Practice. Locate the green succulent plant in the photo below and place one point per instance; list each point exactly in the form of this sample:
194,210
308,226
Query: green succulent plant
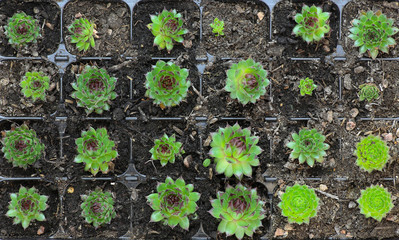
22,147
312,24
35,85
372,32
217,27
94,90
368,91
234,151
166,149
83,32
166,27
95,150
299,203
22,29
307,86
308,146
173,203
246,81
372,153
240,210
167,84
98,207
375,202
26,206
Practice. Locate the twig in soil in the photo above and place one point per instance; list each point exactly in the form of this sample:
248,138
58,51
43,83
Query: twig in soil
152,162
327,194
143,114
198,93
281,66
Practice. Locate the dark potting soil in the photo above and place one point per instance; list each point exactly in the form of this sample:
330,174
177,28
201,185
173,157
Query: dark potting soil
50,225
283,23
48,14
47,132
353,11
13,102
246,28
112,21
76,225
144,39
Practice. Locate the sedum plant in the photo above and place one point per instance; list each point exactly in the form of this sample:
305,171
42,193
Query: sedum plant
94,90
375,202
166,149
372,153
307,86
98,207
240,210
299,203
95,150
312,24
246,81
26,206
83,32
22,147
372,32
308,146
368,91
173,203
35,85
235,151
22,29
166,27
167,84
217,27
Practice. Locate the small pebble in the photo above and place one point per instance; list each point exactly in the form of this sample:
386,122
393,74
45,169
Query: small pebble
36,10
323,187
354,112
348,82
387,136
359,69
351,204
350,125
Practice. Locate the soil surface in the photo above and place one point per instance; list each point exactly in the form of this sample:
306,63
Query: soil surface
48,14
112,21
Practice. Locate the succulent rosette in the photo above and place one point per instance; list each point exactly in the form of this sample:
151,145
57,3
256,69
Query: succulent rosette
372,32
98,207
235,151
22,29
299,203
372,153
22,147
246,81
95,150
26,206
35,85
166,149
307,86
167,84
94,90
240,210
312,24
368,91
83,32
375,202
217,27
173,203
166,27
308,146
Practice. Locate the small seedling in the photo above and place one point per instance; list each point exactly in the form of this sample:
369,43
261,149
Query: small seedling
26,206
22,147
307,86
375,202
217,27
83,32
173,203
95,149
299,203
312,24
308,146
368,91
240,210
94,90
22,29
166,27
167,84
246,81
372,153
35,85
166,149
235,151
372,32
98,207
